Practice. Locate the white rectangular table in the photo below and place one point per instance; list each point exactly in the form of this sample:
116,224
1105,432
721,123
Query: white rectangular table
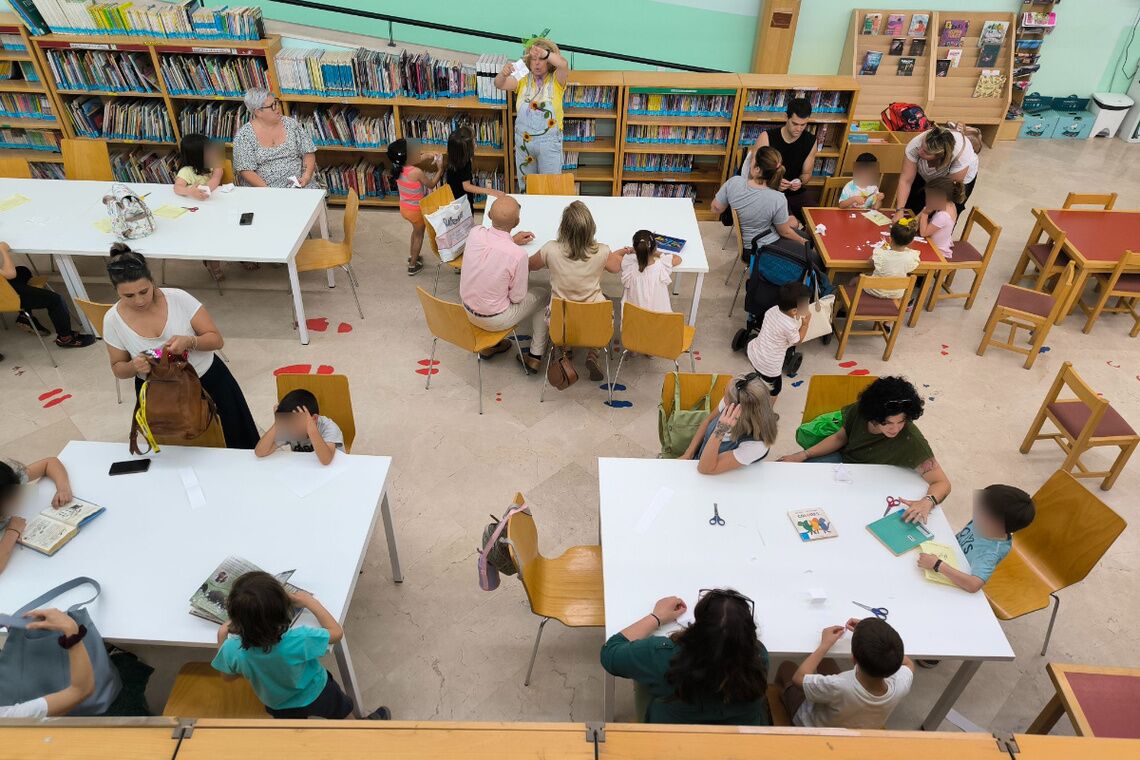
59,221
652,551
152,547
617,219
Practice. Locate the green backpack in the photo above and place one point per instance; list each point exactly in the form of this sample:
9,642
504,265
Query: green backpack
813,431
676,430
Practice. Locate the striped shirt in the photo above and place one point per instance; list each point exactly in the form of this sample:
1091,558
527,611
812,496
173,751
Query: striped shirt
777,333
410,191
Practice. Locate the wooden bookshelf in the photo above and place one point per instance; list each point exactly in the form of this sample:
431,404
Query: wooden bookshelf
10,24
598,169
952,97
1021,85
886,86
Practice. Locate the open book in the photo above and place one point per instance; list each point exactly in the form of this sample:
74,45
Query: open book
48,531
209,601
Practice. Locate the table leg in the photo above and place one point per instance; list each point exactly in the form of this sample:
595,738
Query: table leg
323,221
923,294
74,284
696,298
677,284
1048,717
298,305
390,532
950,695
348,676
608,687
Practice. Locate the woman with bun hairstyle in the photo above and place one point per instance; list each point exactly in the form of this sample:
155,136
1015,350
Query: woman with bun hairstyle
147,317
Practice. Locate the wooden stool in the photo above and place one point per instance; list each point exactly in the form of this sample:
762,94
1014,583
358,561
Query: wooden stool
200,692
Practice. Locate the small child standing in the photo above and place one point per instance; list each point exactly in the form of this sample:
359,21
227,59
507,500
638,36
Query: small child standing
412,183
895,257
199,174
460,167
863,189
937,220
784,326
282,664
647,273
299,425
818,695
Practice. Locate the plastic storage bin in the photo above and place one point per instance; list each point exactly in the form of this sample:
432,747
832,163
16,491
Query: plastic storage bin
1039,125
1073,125
1108,110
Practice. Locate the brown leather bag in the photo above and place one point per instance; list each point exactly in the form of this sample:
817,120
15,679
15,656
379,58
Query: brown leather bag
560,373
172,403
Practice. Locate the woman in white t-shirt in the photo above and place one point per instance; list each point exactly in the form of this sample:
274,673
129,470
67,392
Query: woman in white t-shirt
743,427
148,318
936,153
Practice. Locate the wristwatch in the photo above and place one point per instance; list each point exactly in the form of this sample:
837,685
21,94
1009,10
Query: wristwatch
933,500
937,565
67,642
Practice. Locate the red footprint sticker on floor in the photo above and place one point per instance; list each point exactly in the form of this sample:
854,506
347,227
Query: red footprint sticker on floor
847,365
325,369
344,327
425,369
499,397
945,351
859,372
1113,364
320,324
53,401
697,355
294,369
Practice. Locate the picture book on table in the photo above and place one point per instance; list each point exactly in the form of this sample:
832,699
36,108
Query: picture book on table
954,55
812,524
993,33
871,62
918,24
942,67
918,46
896,47
668,244
952,33
48,531
988,55
906,67
944,553
209,601
871,23
895,23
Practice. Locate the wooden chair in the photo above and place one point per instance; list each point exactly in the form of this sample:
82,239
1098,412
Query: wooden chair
590,325
567,589
201,692
10,304
1123,284
87,160
776,707
213,438
886,315
1071,531
966,256
333,398
227,172
319,254
448,322
429,204
550,184
1083,423
734,232
1045,255
14,168
694,387
743,255
655,333
829,393
1025,309
1104,201
832,187
96,313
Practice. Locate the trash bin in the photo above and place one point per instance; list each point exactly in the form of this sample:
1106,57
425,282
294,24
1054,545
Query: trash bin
1109,110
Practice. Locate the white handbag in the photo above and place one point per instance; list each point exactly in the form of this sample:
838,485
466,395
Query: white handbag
820,324
130,217
452,225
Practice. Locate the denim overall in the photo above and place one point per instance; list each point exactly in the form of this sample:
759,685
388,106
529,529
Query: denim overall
538,136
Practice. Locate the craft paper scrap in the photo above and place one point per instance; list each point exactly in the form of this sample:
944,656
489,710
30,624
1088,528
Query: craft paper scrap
103,225
193,488
169,212
663,496
12,201
877,217
226,188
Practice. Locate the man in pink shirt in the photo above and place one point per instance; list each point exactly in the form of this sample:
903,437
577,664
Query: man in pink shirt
493,282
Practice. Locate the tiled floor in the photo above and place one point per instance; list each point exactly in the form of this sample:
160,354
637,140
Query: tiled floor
438,647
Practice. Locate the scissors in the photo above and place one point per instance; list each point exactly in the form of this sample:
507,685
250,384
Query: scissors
716,519
191,209
879,612
892,502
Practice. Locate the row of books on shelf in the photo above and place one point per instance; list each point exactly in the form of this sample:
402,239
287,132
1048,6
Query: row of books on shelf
145,166
657,133
372,180
589,96
218,121
213,75
569,160
951,31
20,105
46,170
346,126
487,67
372,73
183,18
824,167
822,101
435,129
101,70
579,130
658,162
826,135
12,42
654,104
125,119
657,190
30,139
25,70
896,23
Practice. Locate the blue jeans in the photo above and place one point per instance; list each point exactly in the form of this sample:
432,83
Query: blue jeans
834,458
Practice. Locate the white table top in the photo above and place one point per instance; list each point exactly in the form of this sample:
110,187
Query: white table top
760,554
61,214
617,219
151,549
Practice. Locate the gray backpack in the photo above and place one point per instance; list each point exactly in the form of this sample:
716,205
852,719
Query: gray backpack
494,556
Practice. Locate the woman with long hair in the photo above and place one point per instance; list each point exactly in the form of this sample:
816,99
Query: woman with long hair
741,431
939,152
713,671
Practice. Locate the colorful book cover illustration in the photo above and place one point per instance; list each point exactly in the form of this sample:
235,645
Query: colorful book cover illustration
952,33
919,23
906,67
871,23
871,62
895,23
993,33
812,524
942,67
896,47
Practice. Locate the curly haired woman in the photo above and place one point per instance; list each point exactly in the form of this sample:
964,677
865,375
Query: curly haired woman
538,108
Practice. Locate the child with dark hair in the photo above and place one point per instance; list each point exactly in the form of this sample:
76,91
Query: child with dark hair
413,183
999,512
199,174
784,326
33,298
647,273
818,695
298,424
863,189
461,164
940,215
894,257
281,663
13,475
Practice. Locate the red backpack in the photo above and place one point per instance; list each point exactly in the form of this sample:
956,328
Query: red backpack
904,117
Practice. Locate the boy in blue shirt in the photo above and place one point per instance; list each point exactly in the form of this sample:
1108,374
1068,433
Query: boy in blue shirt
999,512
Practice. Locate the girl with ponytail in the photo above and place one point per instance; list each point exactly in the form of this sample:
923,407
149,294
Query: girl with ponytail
647,273
761,207
413,183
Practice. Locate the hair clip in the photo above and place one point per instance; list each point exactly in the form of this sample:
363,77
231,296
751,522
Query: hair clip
905,221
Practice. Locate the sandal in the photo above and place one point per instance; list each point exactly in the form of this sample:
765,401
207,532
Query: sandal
75,340
414,269
593,368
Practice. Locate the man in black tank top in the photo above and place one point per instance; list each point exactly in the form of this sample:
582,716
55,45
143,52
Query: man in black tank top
797,148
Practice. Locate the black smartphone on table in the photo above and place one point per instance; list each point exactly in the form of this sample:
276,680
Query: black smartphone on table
246,219
129,467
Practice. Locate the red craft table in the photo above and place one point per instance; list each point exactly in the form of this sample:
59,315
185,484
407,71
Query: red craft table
1095,240
1102,702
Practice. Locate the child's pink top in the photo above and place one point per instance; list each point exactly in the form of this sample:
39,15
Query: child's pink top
411,192
943,236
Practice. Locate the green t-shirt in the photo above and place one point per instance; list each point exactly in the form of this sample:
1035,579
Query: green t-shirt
907,449
288,675
647,661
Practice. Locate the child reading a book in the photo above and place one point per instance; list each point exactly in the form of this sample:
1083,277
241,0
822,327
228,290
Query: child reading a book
413,183
647,273
281,663
298,424
784,326
818,695
894,257
12,476
199,174
863,189
999,512
937,220
459,173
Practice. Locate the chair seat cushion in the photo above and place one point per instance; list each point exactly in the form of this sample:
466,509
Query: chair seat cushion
1040,252
1074,415
1023,299
1128,283
871,306
964,252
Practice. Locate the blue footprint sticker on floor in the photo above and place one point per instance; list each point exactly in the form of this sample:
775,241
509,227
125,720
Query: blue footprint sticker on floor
1045,349
797,383
616,404
618,387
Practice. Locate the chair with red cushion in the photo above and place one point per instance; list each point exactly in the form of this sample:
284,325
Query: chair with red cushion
966,256
1043,251
886,315
1025,309
1083,423
1123,284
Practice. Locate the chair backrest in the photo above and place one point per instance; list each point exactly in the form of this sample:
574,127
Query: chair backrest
87,160
1061,292
96,312
830,393
1129,264
832,187
351,211
9,298
586,324
1054,233
737,230
694,386
447,321
15,168
522,542
992,229
550,184
432,202
870,282
333,399
227,172
1104,200
655,333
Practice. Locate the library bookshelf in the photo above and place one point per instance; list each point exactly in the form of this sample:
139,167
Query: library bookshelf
20,134
592,116
952,96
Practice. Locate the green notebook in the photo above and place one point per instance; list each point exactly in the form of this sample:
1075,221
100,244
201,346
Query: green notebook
898,536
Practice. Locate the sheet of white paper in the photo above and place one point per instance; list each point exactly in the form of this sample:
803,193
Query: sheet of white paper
660,499
205,189
194,493
842,474
919,239
817,595
519,69
305,474
226,188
